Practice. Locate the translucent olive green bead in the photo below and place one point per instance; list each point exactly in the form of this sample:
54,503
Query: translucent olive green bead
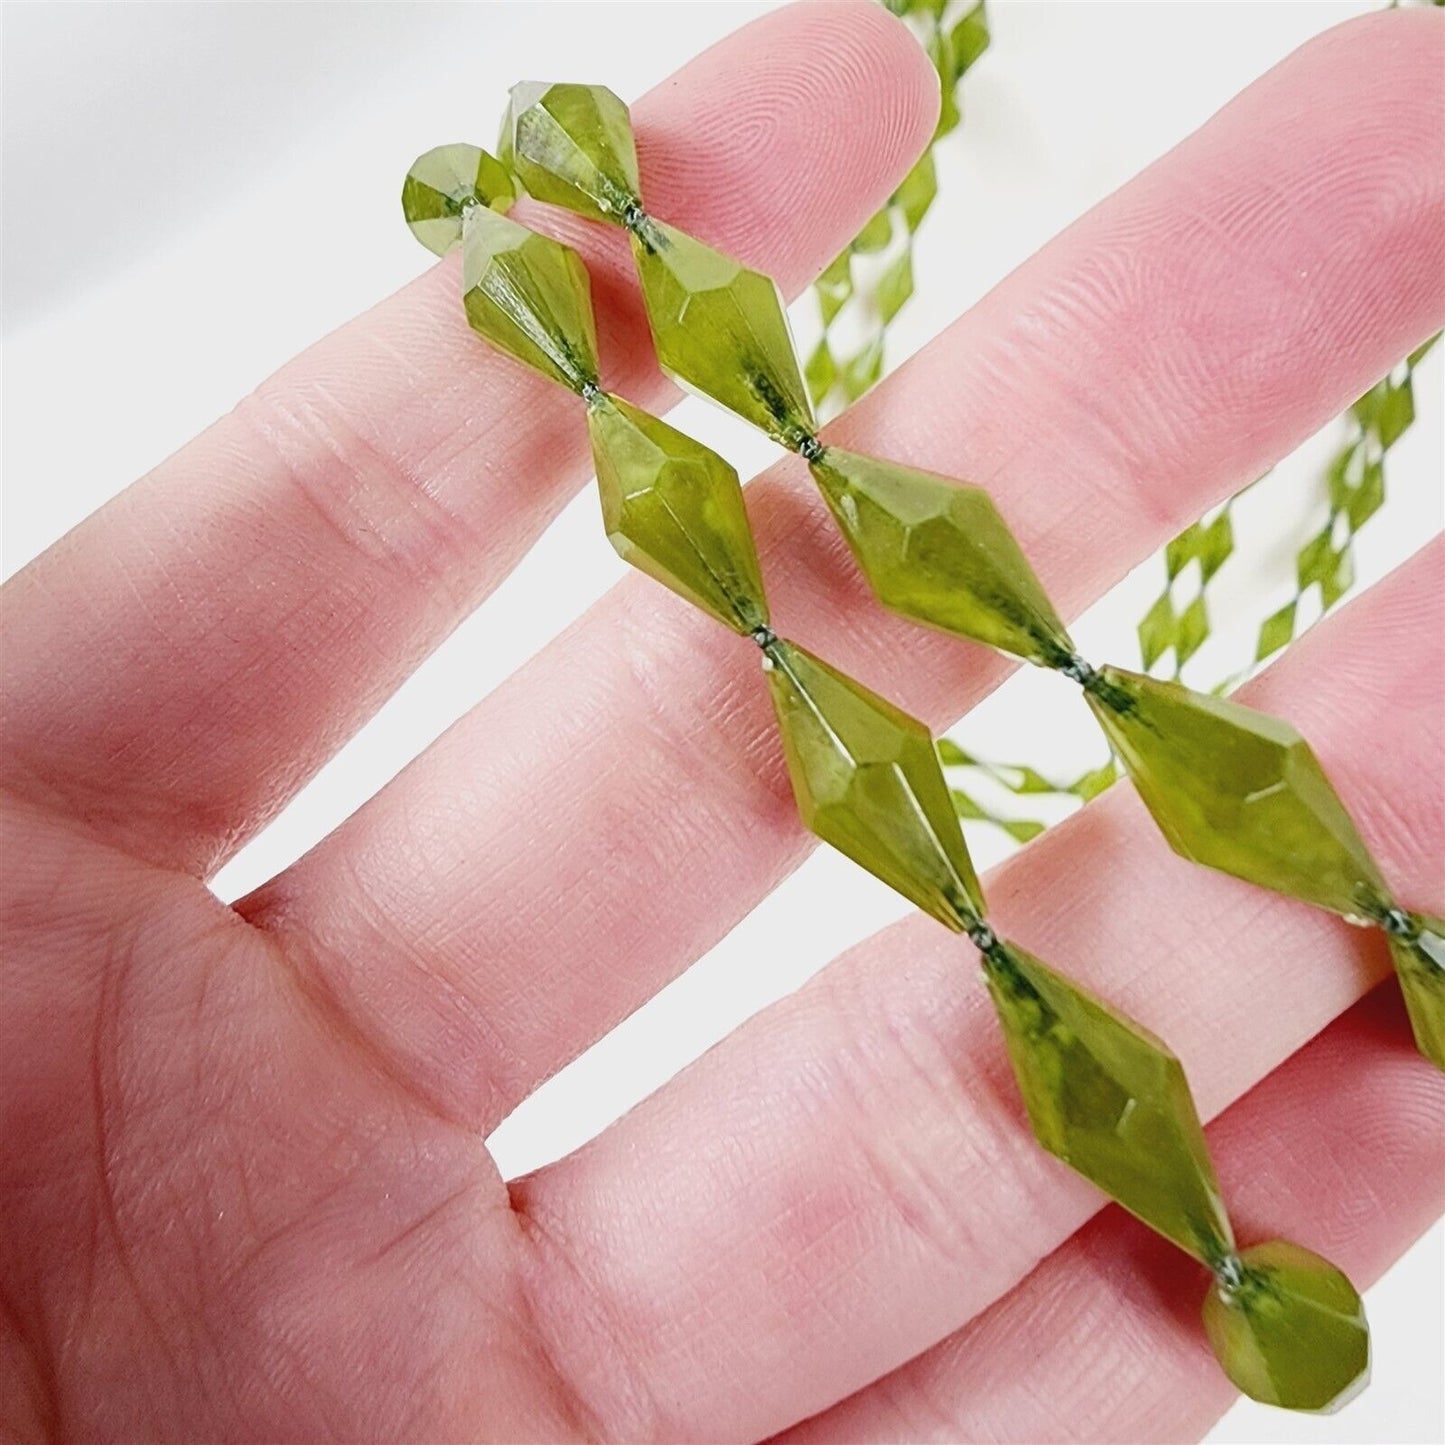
1110,1100
446,181
571,145
1420,966
529,295
674,509
1292,1331
720,329
867,780
1237,790
938,551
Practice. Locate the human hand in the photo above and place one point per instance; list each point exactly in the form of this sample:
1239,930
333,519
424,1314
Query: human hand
243,1187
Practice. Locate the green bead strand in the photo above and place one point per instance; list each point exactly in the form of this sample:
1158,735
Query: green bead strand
1101,1093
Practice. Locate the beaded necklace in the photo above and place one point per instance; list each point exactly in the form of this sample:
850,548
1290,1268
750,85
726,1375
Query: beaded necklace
1230,787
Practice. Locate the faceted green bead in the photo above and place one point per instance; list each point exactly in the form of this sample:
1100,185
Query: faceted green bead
1292,1331
867,780
1237,790
529,295
572,146
674,509
938,551
1110,1100
721,330
1420,965
442,183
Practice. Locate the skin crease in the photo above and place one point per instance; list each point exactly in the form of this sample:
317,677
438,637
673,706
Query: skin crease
243,1192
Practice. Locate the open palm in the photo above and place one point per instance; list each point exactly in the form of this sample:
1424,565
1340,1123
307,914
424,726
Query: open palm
243,1185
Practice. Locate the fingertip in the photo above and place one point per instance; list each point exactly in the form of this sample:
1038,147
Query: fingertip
887,68
797,128
1400,28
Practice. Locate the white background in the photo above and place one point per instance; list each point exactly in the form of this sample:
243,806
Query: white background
193,193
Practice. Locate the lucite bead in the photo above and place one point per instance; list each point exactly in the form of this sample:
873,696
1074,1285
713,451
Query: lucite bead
674,509
868,781
529,295
938,551
443,183
571,145
1420,965
1292,1331
720,329
1110,1100
1238,790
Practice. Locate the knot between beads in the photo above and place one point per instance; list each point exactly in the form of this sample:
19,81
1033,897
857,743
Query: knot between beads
1080,670
810,448
1228,1271
984,939
1398,924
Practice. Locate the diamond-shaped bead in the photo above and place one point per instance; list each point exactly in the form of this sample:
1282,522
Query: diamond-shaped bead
1291,1331
443,183
572,145
1109,1099
673,508
721,330
529,295
938,551
1420,966
867,780
1237,790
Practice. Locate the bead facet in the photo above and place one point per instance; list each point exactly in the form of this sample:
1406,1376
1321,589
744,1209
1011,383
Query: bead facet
529,295
572,146
445,182
939,552
674,508
1291,1331
1110,1100
1238,790
868,781
1420,966
721,330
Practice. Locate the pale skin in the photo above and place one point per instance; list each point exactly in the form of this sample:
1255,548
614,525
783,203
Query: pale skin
243,1187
